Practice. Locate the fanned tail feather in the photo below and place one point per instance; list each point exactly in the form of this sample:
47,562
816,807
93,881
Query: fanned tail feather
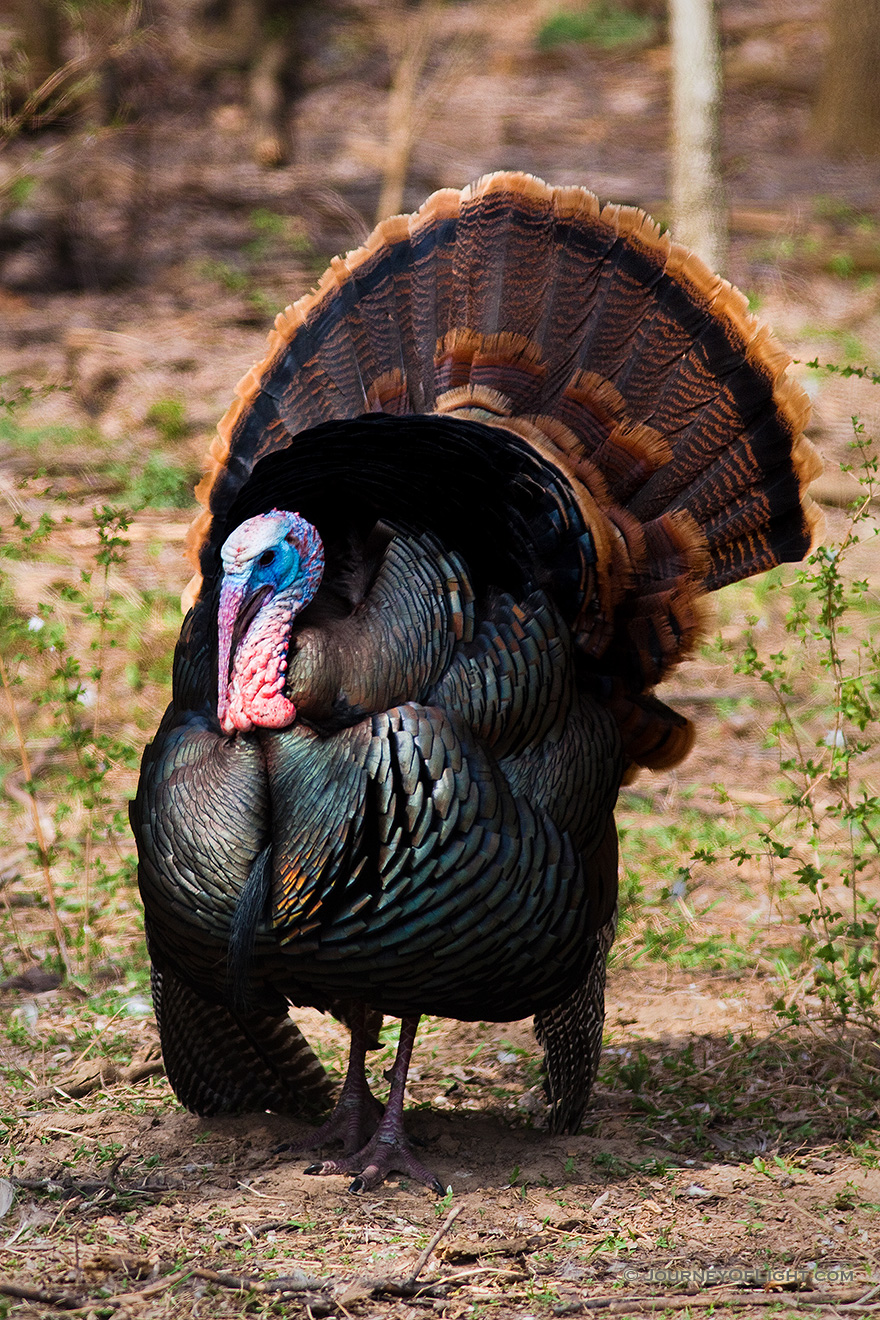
628,368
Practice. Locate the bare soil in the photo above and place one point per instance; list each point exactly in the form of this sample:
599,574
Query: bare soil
718,1139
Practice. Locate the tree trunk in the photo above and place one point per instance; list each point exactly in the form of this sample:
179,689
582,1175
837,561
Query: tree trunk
698,209
410,42
848,110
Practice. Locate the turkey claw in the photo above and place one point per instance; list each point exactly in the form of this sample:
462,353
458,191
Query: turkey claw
372,1177
374,1163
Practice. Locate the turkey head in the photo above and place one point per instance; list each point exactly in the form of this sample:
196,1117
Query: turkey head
272,567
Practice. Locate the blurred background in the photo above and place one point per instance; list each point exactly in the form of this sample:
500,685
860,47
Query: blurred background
174,172
137,132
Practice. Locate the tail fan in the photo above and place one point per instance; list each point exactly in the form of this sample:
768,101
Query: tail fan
574,333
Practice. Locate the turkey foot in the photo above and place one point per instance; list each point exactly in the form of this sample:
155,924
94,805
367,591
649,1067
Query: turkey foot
357,1111
355,1116
388,1150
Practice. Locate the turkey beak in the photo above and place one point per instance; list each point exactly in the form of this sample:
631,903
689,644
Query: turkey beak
239,606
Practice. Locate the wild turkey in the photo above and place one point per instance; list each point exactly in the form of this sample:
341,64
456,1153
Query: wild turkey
458,524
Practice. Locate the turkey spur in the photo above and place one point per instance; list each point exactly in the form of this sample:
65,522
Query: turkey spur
457,527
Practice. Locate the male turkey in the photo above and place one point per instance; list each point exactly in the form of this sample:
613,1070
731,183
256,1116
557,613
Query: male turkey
457,527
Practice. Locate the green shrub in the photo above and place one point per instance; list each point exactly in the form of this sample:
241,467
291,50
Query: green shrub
602,24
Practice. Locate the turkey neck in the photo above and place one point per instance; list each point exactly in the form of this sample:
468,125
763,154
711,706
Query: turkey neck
338,674
391,646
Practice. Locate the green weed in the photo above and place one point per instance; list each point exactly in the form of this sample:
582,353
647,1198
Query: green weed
614,1243
867,1154
169,418
17,1033
40,439
663,924
160,484
819,852
601,24
845,372
828,834
841,264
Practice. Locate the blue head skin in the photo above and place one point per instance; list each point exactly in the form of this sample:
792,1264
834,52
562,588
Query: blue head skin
272,567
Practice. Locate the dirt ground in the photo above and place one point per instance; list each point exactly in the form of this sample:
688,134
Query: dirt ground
719,1139
717,1164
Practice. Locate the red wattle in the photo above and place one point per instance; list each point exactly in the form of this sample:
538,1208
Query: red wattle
250,689
254,697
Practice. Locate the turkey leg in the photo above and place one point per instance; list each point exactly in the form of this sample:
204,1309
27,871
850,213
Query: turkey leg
387,1151
357,1111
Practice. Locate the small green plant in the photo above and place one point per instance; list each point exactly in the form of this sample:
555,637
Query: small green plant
867,1154
823,845
841,264
281,232
17,1033
845,372
161,484
829,831
611,1164
169,418
615,1242
601,24
661,926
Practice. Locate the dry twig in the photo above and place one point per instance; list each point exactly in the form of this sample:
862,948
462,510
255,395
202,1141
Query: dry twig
426,1254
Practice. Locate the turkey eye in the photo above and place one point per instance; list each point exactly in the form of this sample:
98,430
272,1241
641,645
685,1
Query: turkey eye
266,558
